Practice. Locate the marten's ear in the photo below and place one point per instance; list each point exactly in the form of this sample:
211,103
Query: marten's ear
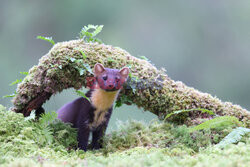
124,72
98,69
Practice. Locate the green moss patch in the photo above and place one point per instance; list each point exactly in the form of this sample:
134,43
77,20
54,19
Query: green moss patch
28,143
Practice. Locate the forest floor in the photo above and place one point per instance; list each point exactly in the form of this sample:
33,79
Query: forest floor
24,143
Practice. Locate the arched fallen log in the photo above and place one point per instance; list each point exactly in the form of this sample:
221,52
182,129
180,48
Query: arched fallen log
66,67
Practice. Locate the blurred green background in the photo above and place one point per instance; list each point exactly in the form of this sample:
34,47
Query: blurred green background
205,44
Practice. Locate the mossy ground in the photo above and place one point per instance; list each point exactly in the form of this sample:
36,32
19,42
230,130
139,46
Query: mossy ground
28,143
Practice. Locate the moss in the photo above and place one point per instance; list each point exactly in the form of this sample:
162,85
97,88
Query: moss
159,95
134,144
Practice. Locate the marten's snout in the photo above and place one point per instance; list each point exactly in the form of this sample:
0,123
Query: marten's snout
110,84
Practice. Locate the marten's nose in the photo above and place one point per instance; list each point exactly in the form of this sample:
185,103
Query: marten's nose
111,86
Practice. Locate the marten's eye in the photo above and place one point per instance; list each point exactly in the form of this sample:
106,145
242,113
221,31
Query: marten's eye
105,77
117,79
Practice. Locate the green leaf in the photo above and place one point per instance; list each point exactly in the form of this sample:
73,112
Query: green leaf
233,137
88,68
48,39
11,95
217,122
88,33
82,94
110,60
83,54
98,29
144,58
47,118
16,82
24,73
123,99
188,110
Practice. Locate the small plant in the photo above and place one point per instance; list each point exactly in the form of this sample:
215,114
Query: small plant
233,137
82,94
122,100
195,109
217,122
144,58
48,39
47,118
17,81
83,54
89,33
80,66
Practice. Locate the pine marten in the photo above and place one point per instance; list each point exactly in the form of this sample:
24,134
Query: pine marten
93,115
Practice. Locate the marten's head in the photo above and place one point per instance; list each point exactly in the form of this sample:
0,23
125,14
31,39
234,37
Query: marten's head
110,79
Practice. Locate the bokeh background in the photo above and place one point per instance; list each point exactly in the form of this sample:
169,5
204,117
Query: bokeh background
205,44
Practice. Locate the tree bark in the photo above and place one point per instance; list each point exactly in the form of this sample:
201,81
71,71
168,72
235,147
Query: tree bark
64,67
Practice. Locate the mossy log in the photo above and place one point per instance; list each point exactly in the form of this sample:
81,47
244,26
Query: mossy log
150,89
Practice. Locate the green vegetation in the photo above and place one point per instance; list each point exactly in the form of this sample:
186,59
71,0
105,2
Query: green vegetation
82,94
17,81
48,39
89,33
195,109
48,142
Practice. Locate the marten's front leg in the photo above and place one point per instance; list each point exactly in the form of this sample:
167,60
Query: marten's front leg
98,134
83,136
97,137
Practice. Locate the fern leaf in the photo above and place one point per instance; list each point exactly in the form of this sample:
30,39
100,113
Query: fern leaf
195,109
47,118
88,36
97,30
48,39
82,94
11,95
233,137
24,73
144,58
16,82
217,122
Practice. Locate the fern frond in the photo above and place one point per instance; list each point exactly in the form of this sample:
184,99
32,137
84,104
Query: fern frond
88,36
82,94
24,73
48,134
188,110
48,39
217,122
47,118
11,95
233,137
16,82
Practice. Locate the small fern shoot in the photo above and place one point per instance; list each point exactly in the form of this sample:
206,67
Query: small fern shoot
217,122
82,94
89,33
47,118
233,137
48,39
